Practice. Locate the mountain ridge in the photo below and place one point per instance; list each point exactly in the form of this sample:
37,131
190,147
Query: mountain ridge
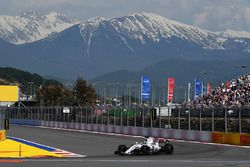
98,46
214,72
32,26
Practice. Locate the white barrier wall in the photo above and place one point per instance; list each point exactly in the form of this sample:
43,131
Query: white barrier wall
202,136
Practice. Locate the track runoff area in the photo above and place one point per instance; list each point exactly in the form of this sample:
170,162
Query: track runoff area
97,149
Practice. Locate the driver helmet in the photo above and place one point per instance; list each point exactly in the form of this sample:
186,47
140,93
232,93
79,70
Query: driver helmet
155,140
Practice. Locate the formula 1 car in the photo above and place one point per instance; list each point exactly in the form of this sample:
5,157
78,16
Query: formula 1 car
149,146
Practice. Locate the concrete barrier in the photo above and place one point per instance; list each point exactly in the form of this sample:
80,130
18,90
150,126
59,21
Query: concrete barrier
191,135
231,138
245,139
26,122
202,136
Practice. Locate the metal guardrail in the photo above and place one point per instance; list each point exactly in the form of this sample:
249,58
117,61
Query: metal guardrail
203,119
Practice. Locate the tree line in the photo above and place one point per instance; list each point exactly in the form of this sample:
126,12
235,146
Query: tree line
56,94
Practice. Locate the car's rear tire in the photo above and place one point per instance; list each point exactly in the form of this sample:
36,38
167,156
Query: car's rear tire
168,148
145,150
121,149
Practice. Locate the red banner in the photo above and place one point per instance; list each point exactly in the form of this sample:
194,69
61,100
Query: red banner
228,85
170,90
208,88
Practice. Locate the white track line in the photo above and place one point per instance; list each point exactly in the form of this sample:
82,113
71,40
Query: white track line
141,160
67,154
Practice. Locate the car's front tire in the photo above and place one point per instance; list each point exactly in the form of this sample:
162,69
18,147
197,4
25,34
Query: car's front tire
121,149
168,148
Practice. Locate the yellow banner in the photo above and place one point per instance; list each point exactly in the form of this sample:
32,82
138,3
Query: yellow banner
9,93
2,135
245,139
231,138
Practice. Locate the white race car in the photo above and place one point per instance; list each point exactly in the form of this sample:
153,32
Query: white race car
148,147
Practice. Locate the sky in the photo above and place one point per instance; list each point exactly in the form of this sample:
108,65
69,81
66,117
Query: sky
213,15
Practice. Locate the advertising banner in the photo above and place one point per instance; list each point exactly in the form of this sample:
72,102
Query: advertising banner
2,135
9,93
145,95
170,90
208,88
197,88
245,139
204,89
227,85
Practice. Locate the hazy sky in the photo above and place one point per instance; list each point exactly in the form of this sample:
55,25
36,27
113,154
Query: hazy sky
215,15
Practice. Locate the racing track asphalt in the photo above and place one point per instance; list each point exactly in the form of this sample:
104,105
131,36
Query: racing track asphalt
99,149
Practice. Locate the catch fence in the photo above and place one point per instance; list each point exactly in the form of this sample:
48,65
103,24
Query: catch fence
203,119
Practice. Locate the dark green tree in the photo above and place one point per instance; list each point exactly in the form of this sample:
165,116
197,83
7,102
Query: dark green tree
50,95
84,93
54,95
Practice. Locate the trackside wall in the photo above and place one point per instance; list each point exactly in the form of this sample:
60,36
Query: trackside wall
231,138
202,136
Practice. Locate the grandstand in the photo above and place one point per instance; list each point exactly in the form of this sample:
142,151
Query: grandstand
235,93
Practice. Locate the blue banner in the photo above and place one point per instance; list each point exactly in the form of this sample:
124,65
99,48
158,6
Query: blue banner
204,87
145,88
197,88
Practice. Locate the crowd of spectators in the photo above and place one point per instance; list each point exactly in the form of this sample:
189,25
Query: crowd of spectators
235,93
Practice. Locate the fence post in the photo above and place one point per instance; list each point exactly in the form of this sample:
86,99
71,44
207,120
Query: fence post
189,117
38,113
77,114
108,115
48,111
151,119
27,113
120,111
96,116
200,118
159,117
240,120
114,116
31,112
19,113
225,119
86,114
127,118
81,114
102,116
68,115
135,116
42,114
54,114
91,116
143,115
169,121
14,113
212,119
179,115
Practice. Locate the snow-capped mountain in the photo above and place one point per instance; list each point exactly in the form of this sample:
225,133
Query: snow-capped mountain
31,26
132,42
149,26
235,34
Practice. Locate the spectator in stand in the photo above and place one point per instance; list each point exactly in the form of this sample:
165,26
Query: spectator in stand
229,94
